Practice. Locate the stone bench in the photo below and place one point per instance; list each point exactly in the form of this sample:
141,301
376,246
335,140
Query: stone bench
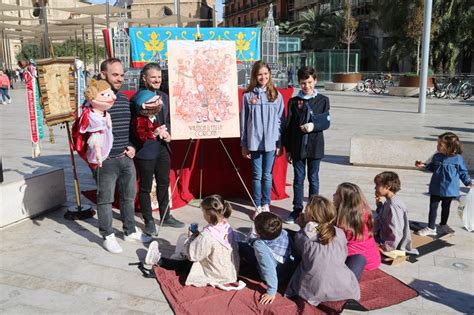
398,152
26,196
330,86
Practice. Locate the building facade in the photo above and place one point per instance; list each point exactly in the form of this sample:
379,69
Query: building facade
201,9
240,13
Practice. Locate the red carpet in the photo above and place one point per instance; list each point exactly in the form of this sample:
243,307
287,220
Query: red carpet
378,290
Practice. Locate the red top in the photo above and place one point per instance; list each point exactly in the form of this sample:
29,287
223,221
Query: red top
366,247
4,81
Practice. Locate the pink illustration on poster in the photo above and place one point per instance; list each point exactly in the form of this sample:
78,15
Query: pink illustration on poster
203,89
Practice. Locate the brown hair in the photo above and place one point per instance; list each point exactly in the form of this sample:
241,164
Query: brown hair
451,142
94,87
272,93
268,225
322,211
389,179
216,207
351,211
107,62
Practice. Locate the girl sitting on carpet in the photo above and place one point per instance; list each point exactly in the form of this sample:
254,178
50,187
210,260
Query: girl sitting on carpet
212,255
354,217
322,274
392,228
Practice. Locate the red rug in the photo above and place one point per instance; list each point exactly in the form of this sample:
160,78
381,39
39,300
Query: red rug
378,289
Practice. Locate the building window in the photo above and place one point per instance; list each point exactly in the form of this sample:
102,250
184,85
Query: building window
259,18
251,18
238,21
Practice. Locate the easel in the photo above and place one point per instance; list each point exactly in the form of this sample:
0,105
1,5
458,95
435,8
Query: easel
200,177
197,202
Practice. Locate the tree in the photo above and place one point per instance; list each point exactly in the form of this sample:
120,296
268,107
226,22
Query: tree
350,28
319,29
451,32
415,30
64,49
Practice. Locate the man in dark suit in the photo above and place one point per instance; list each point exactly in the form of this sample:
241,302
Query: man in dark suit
155,158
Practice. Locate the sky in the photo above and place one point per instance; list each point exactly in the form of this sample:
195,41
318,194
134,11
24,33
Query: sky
218,6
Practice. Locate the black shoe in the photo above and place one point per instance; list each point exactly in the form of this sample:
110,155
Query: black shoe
291,219
172,222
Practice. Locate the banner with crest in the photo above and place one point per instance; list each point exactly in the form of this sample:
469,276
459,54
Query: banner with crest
149,44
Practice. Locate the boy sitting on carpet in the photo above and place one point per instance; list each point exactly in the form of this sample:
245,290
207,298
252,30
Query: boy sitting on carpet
270,251
212,256
392,229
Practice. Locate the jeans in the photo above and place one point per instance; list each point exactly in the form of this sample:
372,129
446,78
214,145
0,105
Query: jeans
299,167
270,270
262,168
122,171
4,93
356,263
445,205
160,167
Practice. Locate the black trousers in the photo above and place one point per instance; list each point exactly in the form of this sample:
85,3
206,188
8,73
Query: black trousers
160,167
445,205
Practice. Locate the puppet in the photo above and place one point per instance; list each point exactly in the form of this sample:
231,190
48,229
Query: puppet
95,122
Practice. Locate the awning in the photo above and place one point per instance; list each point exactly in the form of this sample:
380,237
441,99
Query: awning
12,18
12,7
20,27
164,20
98,9
81,21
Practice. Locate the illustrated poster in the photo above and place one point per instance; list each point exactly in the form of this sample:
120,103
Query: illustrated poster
203,89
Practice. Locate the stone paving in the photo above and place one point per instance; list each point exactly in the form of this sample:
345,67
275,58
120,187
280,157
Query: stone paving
50,265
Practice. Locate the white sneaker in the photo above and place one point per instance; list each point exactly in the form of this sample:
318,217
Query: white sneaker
258,210
427,232
9,101
111,244
138,236
153,255
266,208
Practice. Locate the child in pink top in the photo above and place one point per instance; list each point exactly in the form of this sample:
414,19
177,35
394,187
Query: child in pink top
355,218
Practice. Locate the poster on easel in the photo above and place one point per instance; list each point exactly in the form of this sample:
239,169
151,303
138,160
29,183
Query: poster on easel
203,89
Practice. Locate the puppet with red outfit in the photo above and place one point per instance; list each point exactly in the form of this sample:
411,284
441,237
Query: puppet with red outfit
93,130
145,126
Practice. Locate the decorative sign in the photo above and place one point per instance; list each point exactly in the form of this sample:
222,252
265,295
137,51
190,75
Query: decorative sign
203,89
149,44
57,88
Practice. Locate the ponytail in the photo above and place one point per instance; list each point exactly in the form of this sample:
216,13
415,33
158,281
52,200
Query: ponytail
322,211
327,231
216,207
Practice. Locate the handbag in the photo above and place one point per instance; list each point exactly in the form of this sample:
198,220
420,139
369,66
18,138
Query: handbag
466,210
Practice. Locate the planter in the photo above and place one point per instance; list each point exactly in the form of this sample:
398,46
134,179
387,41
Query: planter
346,77
414,81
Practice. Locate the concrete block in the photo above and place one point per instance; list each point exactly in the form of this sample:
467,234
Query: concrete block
28,196
331,86
403,91
398,152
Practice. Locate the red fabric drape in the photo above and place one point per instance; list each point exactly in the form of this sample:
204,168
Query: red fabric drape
218,174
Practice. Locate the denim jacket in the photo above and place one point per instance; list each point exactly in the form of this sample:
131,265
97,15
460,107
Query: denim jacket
447,171
261,121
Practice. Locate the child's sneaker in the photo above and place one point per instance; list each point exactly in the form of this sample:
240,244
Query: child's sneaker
153,255
427,232
138,236
258,210
111,244
9,101
445,229
266,208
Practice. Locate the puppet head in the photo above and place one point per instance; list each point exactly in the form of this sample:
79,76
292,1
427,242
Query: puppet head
100,95
147,103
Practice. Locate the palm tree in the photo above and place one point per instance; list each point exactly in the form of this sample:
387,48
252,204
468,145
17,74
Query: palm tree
319,29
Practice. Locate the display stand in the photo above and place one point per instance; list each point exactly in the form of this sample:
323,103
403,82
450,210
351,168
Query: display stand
79,211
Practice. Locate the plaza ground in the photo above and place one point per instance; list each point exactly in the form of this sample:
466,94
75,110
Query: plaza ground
51,265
